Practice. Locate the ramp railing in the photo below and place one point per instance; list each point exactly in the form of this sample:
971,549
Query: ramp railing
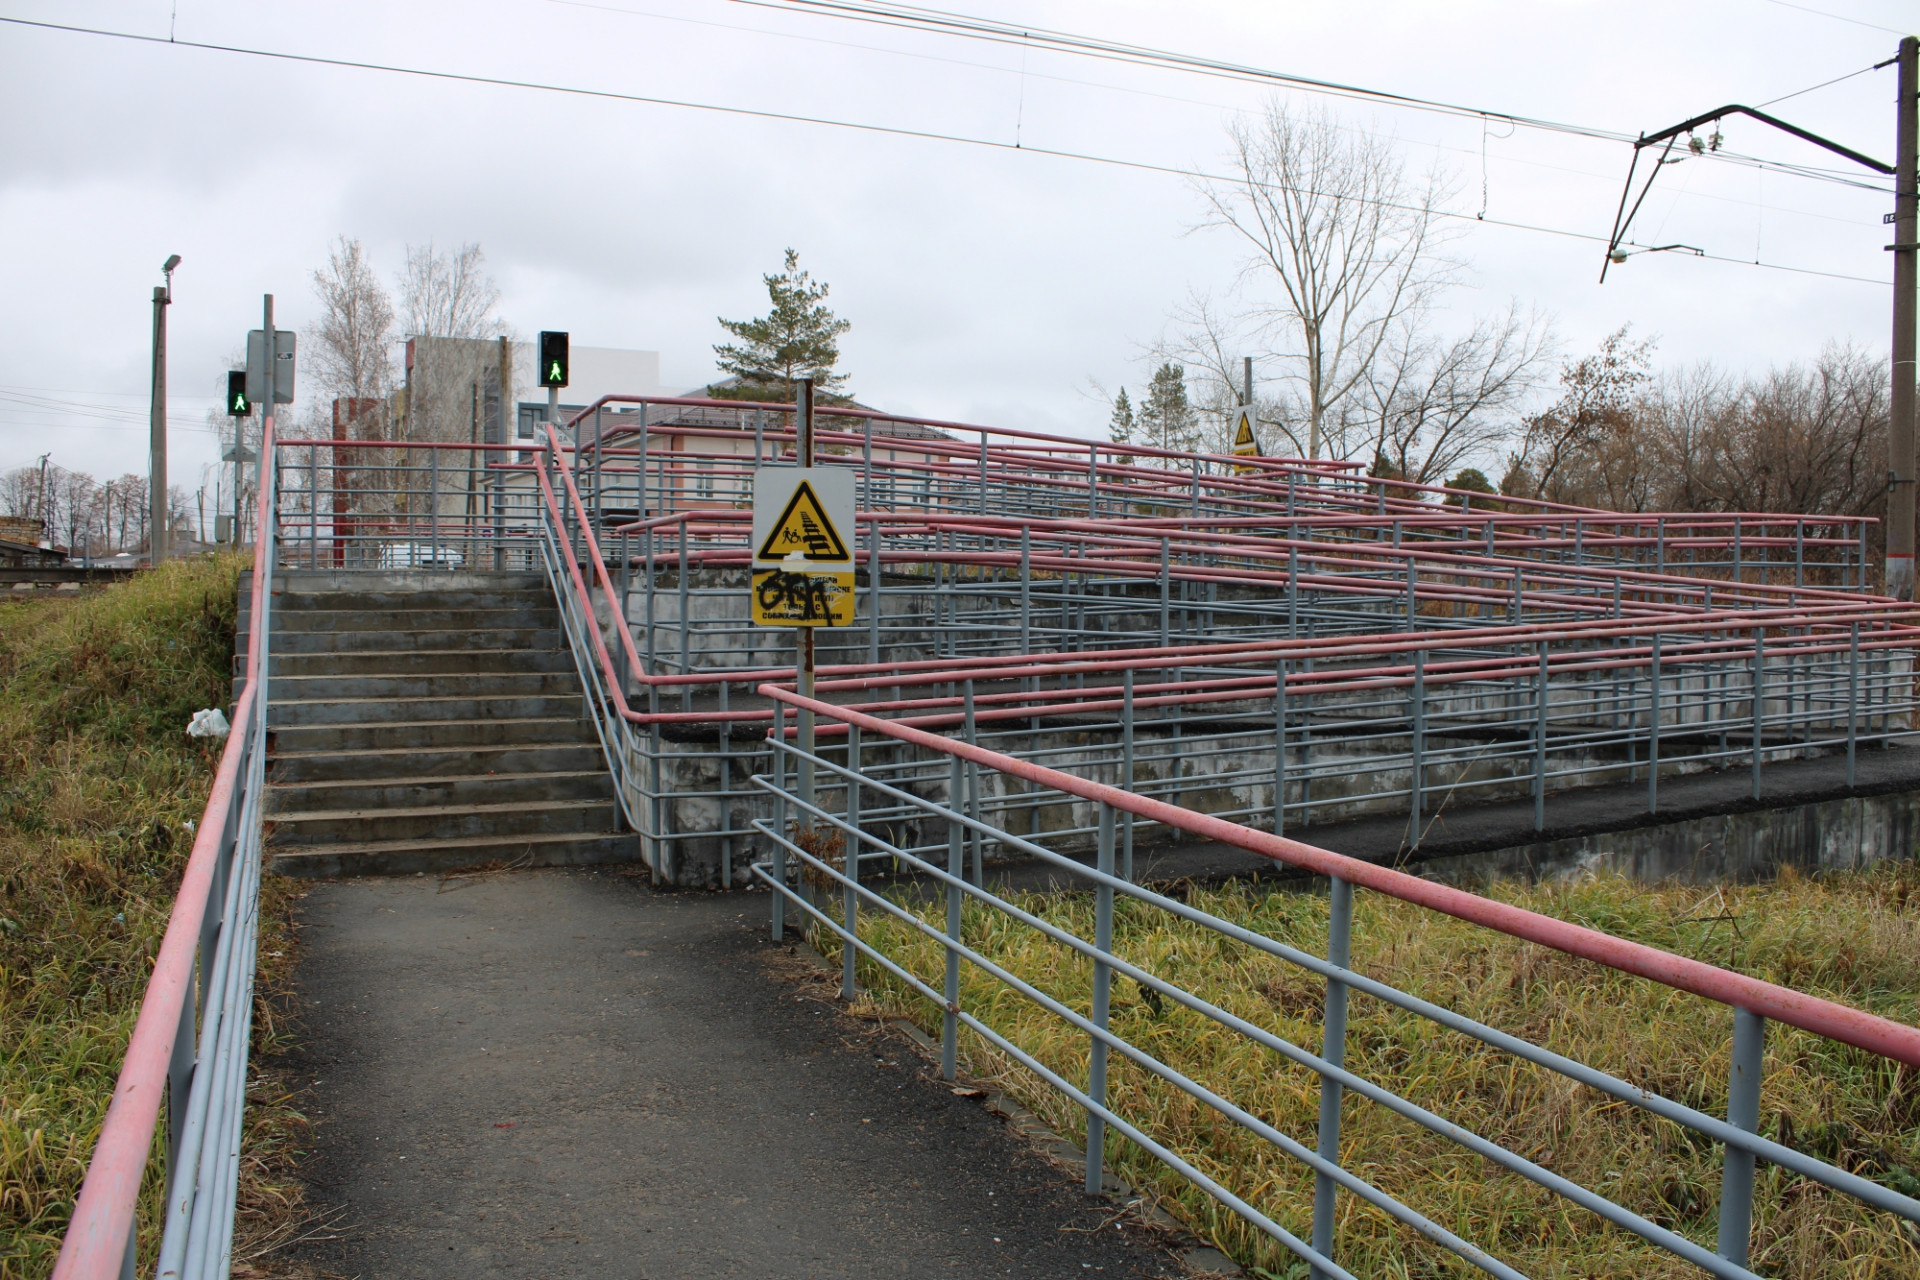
188,1052
825,858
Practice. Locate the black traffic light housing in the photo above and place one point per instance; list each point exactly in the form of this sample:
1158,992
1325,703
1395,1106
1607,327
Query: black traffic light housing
553,359
238,406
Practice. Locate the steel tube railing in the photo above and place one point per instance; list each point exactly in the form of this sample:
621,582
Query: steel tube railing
208,1086
1753,1000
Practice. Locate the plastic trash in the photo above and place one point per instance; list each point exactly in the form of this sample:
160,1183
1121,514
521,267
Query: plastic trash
211,723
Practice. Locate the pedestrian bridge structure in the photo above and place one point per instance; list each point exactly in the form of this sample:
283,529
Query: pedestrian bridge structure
1089,665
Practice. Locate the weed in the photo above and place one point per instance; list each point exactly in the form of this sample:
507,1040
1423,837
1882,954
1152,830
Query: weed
1852,938
99,791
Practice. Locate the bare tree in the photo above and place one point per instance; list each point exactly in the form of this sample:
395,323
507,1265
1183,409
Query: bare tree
1584,449
1211,345
1430,405
1330,216
352,356
448,295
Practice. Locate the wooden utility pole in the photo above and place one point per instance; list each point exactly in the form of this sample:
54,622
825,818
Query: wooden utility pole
1900,428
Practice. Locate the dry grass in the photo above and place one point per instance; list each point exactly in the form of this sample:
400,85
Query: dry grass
1854,938
98,786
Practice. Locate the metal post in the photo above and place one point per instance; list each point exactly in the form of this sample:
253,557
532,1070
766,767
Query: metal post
1418,762
1906,231
850,904
1280,749
873,591
1293,584
1026,591
1743,1113
1759,701
1126,770
950,1020
974,838
1653,729
1166,573
1333,1048
1413,577
1540,743
1853,697
983,473
1102,994
803,433
779,820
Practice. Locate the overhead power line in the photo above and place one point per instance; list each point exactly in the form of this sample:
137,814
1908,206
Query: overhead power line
966,26
898,131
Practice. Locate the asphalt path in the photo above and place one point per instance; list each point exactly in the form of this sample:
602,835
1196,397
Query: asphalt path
564,1073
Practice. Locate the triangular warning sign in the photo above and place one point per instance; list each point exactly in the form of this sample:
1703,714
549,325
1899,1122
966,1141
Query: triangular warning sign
804,527
1244,445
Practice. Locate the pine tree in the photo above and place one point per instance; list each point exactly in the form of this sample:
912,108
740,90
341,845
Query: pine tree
1123,424
1167,417
798,338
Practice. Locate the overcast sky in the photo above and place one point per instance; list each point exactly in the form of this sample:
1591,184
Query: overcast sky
983,283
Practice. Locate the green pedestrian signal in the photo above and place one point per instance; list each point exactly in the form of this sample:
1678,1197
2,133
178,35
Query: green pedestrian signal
238,406
553,359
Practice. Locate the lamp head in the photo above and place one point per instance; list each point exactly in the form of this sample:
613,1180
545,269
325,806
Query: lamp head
172,262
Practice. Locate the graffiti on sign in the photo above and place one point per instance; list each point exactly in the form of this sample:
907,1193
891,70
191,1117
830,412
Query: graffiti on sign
802,597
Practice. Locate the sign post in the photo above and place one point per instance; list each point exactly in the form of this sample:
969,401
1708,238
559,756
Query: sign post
803,557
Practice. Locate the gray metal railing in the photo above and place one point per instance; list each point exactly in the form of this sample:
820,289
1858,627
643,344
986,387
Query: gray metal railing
800,859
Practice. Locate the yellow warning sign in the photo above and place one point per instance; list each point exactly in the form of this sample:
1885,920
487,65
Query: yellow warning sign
802,598
804,528
1244,443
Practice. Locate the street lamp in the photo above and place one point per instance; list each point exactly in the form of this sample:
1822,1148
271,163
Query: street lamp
157,443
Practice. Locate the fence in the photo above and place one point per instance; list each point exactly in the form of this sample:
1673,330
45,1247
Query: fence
1276,679
189,1045
801,817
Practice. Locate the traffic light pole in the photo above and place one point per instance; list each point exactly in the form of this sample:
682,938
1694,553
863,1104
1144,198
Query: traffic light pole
1906,229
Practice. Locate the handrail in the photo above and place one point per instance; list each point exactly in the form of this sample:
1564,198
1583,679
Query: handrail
1835,1021
100,1235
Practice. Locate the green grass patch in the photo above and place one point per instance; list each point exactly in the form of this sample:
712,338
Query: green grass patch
99,788
1851,938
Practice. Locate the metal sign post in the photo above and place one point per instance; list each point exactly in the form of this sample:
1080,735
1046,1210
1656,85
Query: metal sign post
802,577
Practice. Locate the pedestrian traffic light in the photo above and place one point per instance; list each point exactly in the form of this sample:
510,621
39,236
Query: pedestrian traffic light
553,359
238,405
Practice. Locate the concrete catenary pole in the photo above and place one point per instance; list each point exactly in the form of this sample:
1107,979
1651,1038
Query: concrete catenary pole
1900,427
157,436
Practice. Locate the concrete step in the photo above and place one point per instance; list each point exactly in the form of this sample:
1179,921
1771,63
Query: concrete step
476,685
295,713
292,768
421,662
292,621
464,639
392,794
440,822
409,857
433,735
444,598
399,581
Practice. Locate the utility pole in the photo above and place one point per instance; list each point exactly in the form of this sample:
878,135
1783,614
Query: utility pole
46,525
1246,381
157,443
1900,429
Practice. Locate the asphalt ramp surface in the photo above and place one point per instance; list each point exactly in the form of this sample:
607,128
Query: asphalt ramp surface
563,1073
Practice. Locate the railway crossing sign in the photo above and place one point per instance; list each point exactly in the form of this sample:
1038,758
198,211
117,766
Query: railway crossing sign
1244,443
802,540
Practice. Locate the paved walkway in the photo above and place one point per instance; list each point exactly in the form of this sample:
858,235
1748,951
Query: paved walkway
563,1073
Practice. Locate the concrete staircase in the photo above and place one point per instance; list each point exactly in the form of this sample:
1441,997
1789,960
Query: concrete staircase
428,722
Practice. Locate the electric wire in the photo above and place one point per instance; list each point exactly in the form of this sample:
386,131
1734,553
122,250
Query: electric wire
918,18
1838,17
899,131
